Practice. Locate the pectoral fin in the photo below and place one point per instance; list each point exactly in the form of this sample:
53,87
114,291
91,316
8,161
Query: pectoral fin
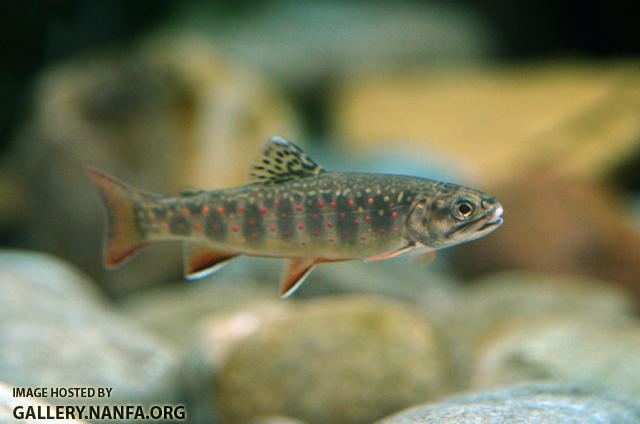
200,260
298,269
394,253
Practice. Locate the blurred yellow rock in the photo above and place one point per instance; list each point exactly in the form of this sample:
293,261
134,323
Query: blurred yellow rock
579,117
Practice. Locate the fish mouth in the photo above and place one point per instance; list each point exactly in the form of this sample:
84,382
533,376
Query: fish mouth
490,224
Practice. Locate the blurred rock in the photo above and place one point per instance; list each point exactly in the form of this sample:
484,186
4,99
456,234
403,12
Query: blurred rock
57,332
533,403
204,320
306,45
348,360
561,225
579,118
582,351
168,114
515,327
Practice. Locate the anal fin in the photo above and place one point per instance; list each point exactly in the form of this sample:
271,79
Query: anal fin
298,269
201,260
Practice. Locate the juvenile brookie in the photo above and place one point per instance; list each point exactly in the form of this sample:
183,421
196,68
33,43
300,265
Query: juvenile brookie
292,208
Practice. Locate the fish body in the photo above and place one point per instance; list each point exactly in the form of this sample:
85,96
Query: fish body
292,208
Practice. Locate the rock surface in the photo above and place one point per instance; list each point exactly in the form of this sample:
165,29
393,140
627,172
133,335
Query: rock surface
57,332
526,404
496,302
348,360
587,352
575,117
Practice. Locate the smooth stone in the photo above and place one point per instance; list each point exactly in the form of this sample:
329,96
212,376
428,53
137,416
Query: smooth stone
498,299
587,352
499,120
533,403
57,331
347,359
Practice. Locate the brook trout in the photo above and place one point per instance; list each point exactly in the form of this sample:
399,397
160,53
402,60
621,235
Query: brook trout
292,208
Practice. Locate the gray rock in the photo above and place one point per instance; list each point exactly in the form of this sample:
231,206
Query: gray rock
502,298
56,331
348,360
583,351
534,403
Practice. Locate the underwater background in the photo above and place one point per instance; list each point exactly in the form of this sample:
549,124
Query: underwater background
535,104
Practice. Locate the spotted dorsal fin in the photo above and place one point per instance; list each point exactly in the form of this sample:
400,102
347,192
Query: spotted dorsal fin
280,160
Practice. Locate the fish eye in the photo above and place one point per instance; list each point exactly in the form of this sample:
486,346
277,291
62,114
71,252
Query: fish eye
463,208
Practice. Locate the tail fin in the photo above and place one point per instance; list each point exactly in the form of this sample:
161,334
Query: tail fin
123,239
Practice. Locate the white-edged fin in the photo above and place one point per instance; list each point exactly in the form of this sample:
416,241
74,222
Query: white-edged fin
280,160
393,254
200,260
298,269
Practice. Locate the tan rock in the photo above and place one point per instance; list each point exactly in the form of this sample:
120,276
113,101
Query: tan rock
577,117
347,360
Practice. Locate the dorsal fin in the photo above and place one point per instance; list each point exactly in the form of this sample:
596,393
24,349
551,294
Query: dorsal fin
281,160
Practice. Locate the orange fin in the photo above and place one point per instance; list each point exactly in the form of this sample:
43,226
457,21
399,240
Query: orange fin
298,269
123,238
393,254
200,260
426,258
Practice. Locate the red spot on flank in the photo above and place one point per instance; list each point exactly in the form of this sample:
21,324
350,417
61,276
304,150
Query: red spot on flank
316,233
361,237
304,243
314,216
346,234
186,212
367,218
277,203
287,234
284,215
165,227
301,227
370,200
333,204
320,204
252,223
220,211
356,222
350,202
240,209
342,215
205,211
263,211
198,227
382,231
396,229
273,229
255,237
395,214
331,240
216,228
329,224
298,208
234,229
